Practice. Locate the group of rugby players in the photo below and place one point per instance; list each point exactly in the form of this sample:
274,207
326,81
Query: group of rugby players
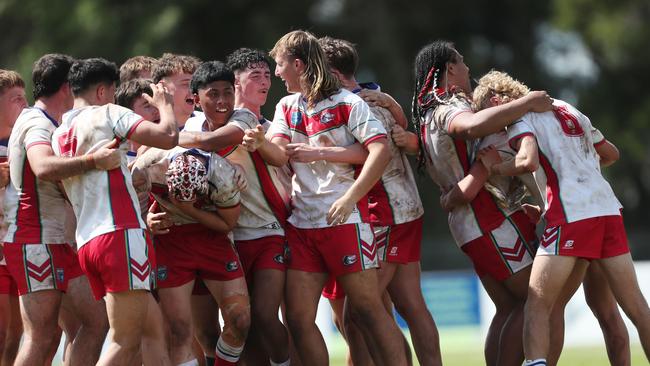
145,219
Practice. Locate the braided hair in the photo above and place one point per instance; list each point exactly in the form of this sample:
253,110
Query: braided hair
430,64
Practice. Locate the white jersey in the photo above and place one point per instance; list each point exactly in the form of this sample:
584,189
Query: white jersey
3,224
448,160
265,203
395,198
103,201
222,191
340,120
34,208
575,188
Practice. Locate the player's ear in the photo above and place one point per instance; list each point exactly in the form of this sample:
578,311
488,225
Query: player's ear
495,100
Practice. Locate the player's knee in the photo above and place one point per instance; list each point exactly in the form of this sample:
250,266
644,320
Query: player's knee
236,313
181,330
264,315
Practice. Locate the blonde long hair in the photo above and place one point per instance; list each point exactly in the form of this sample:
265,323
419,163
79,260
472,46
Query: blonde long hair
316,81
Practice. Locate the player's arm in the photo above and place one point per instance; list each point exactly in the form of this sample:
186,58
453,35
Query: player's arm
466,189
526,160
48,166
468,125
223,221
373,168
216,140
163,134
273,151
378,98
405,140
608,153
304,153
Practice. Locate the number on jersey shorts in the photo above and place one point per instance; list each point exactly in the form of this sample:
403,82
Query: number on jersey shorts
191,251
399,243
7,283
336,250
505,250
37,267
262,253
594,238
119,261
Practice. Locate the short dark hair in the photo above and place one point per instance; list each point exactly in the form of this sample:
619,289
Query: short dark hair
209,72
170,64
242,58
92,71
127,93
341,55
49,74
10,79
132,67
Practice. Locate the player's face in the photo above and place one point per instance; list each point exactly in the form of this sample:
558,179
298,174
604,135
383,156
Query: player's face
146,110
289,69
12,102
252,85
217,100
179,86
461,72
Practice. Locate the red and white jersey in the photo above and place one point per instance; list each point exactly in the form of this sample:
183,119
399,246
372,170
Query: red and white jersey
34,208
340,120
103,201
222,191
575,187
3,225
265,203
395,198
448,160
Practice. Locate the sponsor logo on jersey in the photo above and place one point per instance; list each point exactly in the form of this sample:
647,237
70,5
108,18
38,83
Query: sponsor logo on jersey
349,260
326,117
296,118
272,226
568,244
232,266
60,274
162,273
279,258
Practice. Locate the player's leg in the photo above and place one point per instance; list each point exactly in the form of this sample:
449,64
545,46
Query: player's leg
155,350
177,309
266,297
506,305
127,314
70,324
205,317
602,303
14,330
39,311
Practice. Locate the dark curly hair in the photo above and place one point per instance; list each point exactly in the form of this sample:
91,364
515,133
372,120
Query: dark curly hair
209,72
49,73
243,58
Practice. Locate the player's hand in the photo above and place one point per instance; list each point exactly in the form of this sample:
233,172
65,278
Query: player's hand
533,212
376,98
489,156
253,138
402,137
303,153
185,206
161,96
107,157
539,101
240,177
340,211
158,222
4,174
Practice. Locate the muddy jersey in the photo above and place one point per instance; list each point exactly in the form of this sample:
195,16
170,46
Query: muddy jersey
222,186
395,198
103,201
340,120
3,224
265,202
574,186
448,160
34,208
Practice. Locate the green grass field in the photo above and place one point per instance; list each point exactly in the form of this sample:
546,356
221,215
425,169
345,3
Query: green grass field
463,348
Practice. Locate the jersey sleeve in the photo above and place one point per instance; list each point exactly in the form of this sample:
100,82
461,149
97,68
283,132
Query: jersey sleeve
38,132
224,192
363,125
280,125
444,114
243,119
519,129
123,120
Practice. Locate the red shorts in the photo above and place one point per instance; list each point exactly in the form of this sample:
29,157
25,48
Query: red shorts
336,250
7,283
593,238
505,250
399,243
37,267
333,289
191,251
118,261
262,253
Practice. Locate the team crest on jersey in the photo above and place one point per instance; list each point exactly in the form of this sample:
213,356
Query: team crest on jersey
568,244
349,260
326,117
162,273
393,251
296,118
232,266
60,274
279,258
